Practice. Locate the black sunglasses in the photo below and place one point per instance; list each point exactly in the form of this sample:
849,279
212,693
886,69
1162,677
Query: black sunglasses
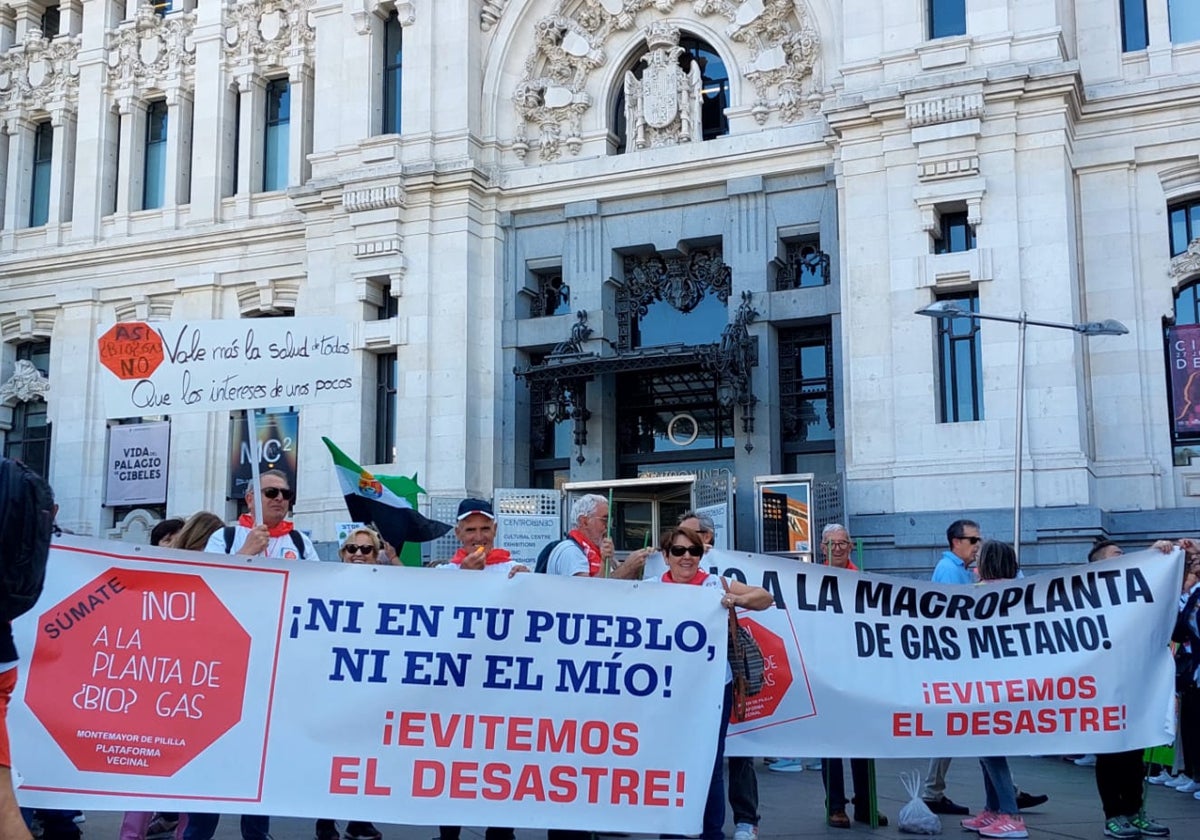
971,540
358,549
680,550
276,492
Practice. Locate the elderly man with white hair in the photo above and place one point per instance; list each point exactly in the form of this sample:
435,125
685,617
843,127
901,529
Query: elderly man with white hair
588,550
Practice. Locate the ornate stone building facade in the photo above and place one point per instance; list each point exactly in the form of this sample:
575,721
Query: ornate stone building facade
590,239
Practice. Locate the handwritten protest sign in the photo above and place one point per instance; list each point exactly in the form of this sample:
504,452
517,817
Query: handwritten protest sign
192,366
171,679
876,666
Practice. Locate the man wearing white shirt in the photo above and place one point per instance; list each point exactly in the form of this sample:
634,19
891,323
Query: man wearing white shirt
275,537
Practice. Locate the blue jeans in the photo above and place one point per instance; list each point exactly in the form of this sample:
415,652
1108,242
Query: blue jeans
203,826
999,794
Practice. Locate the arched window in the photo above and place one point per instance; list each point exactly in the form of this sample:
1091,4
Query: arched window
714,89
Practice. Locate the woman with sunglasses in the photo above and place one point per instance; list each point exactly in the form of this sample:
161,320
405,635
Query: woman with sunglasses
683,549
362,545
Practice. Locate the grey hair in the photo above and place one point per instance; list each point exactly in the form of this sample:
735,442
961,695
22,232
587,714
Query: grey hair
831,527
706,521
585,506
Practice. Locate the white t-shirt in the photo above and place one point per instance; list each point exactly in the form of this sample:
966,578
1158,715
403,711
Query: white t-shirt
278,548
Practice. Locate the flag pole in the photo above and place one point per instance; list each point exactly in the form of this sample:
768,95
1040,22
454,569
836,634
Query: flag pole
255,455
608,531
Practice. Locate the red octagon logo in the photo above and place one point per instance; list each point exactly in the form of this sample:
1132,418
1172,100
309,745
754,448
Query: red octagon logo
138,672
131,350
777,673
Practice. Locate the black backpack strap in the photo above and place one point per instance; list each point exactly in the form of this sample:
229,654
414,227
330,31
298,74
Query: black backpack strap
230,530
297,541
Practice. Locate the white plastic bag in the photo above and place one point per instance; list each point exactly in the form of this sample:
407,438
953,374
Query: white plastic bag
915,817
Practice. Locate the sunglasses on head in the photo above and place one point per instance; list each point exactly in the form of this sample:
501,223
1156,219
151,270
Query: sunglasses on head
276,492
680,550
358,549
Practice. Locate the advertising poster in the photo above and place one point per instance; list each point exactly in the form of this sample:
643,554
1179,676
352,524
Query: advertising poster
1183,351
785,516
277,443
137,464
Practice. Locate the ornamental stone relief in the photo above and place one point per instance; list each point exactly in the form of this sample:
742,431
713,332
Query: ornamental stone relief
26,385
40,75
269,33
781,48
663,107
151,52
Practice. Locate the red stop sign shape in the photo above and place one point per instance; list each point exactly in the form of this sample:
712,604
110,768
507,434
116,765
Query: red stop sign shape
131,350
138,672
777,673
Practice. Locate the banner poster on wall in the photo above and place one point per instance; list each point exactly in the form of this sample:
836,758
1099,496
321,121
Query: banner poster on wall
137,464
277,439
1183,343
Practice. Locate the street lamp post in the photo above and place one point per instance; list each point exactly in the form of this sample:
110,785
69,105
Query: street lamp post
951,309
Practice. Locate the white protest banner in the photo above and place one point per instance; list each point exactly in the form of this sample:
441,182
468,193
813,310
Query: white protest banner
154,678
189,366
883,667
137,464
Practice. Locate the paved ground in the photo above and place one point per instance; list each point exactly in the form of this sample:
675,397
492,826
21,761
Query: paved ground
792,806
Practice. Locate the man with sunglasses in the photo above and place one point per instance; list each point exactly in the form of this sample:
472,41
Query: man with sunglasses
276,536
956,562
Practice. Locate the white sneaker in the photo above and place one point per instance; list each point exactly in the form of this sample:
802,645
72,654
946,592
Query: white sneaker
1161,779
745,831
1088,760
1190,787
1181,779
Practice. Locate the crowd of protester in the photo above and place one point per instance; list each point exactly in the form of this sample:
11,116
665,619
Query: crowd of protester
588,551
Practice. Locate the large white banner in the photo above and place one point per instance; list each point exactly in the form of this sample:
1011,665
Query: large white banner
188,366
165,679
137,464
877,666
169,679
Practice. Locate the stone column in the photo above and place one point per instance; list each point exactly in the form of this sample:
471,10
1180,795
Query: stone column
214,121
300,123
16,193
128,110
62,174
251,90
179,150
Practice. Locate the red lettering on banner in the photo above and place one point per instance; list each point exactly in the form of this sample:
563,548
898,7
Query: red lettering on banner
516,734
429,778
463,780
520,734
1034,722
658,784
529,786
625,785
498,782
411,729
909,725
343,777
344,769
